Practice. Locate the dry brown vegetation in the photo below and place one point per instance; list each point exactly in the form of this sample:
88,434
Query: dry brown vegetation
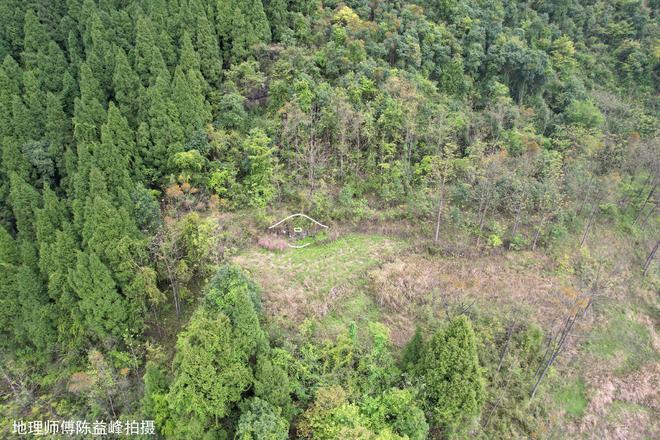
397,282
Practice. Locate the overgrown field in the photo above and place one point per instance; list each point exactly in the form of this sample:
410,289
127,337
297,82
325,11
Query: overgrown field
605,383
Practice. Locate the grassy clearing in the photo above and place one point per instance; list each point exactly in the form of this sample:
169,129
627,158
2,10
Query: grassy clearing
572,398
324,282
620,337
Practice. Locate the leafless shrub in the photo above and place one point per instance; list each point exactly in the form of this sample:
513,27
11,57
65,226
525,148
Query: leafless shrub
272,243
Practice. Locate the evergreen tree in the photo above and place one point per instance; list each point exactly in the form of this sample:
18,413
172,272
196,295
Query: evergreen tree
116,156
164,126
25,128
34,321
241,25
188,58
258,184
35,41
24,200
11,35
9,262
52,73
9,87
450,373
277,13
206,43
100,55
261,420
272,382
57,260
89,113
148,59
413,350
35,100
109,231
128,89
212,361
188,95
102,308
56,131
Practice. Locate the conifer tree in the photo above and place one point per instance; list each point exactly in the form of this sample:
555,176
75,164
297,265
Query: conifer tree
187,93
258,185
100,55
57,260
48,218
52,73
75,51
11,37
188,58
164,126
34,321
260,419
451,375
35,41
148,59
25,128
116,156
241,25
24,200
32,299
277,14
212,361
56,130
35,100
102,308
206,43
89,113
9,87
109,230
167,49
128,89
9,261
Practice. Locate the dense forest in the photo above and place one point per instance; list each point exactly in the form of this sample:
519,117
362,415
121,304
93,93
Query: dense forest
148,144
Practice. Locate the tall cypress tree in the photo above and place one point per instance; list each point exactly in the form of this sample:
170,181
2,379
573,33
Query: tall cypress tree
52,72
10,78
165,129
35,41
450,371
25,128
100,55
206,43
241,25
9,262
194,111
127,86
32,298
58,260
148,59
24,200
9,87
102,308
35,100
188,58
115,155
89,113
56,131
277,14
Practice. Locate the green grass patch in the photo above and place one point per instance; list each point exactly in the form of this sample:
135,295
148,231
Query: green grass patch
572,398
358,308
321,266
620,336
620,410
326,280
